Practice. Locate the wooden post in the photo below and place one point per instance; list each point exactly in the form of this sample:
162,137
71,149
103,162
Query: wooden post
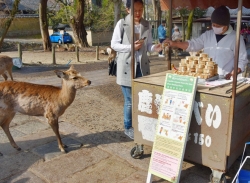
77,54
53,55
132,40
97,52
19,51
168,56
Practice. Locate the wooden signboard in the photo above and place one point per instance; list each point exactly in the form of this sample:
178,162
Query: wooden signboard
172,127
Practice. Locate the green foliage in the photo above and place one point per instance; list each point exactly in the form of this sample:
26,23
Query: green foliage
95,17
181,11
100,18
61,16
184,12
199,12
187,18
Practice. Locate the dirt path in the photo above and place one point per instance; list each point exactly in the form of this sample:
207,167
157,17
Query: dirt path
62,57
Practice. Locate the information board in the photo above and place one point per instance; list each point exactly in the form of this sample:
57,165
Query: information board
172,127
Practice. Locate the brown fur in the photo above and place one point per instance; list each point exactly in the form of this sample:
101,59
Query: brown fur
111,54
71,47
6,64
61,47
39,100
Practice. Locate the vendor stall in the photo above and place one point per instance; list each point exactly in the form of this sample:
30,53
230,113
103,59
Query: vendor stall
220,122
214,141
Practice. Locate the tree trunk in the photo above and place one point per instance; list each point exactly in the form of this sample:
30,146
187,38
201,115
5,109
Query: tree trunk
154,3
159,12
78,28
190,23
8,21
44,25
117,13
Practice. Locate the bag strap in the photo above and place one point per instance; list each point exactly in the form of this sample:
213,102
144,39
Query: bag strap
122,22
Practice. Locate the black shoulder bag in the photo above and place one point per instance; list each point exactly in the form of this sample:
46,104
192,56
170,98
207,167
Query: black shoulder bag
113,63
112,67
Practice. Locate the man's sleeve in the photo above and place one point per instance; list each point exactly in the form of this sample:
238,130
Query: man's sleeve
242,55
196,44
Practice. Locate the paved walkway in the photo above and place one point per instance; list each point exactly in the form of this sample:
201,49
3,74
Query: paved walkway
100,159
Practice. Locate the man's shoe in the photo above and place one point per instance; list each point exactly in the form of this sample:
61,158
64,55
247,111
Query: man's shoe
129,132
160,55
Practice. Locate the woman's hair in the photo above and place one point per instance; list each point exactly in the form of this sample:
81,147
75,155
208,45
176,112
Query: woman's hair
128,3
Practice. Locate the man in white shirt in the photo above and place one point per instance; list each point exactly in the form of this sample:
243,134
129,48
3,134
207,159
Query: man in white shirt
218,43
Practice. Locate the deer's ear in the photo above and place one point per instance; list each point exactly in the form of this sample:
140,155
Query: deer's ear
59,74
72,67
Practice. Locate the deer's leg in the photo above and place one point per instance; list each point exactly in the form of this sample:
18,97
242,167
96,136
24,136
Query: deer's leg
55,126
5,76
10,74
5,124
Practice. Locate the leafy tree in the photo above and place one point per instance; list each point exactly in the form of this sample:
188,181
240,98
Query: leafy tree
117,10
187,17
7,22
100,19
74,15
104,18
56,17
183,12
157,11
97,18
76,23
197,13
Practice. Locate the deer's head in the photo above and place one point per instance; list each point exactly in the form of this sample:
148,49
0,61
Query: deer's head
73,78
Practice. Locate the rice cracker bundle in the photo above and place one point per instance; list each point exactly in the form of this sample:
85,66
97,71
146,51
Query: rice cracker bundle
198,65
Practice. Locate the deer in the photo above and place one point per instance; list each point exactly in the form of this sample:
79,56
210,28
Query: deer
111,54
61,47
39,100
71,47
6,64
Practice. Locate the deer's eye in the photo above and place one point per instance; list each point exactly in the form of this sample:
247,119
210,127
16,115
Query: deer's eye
75,78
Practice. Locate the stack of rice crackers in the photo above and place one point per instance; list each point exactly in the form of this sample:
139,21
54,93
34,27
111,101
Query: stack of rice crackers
198,65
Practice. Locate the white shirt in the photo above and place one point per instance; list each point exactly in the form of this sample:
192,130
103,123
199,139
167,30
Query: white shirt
222,52
176,36
116,40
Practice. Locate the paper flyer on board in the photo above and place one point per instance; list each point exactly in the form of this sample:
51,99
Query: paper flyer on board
173,126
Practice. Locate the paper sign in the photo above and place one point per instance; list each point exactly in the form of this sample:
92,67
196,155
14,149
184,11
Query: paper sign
173,126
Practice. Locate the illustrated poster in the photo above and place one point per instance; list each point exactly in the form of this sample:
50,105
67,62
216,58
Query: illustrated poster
173,126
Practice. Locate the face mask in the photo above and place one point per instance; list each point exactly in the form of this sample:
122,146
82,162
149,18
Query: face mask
218,30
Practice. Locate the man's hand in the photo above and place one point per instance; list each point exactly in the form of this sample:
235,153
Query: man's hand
168,42
176,44
158,47
229,75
